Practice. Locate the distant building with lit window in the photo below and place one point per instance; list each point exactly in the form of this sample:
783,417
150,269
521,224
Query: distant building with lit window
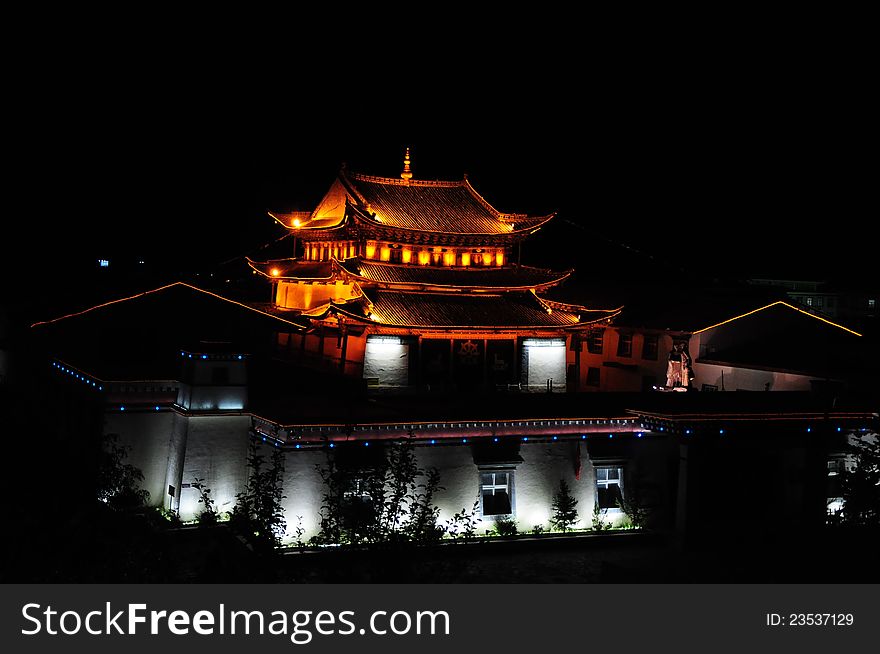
856,306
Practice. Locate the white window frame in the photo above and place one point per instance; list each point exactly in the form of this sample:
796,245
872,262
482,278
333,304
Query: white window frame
609,482
836,466
508,486
357,489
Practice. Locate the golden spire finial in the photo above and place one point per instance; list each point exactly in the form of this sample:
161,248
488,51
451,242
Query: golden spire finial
407,173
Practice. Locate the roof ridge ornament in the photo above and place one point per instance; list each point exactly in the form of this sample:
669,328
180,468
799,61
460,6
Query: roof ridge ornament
407,173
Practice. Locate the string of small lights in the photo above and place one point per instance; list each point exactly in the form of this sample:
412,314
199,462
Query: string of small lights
74,373
162,288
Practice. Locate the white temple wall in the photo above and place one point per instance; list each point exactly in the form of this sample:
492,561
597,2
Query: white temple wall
386,359
174,449
544,359
746,379
149,437
216,451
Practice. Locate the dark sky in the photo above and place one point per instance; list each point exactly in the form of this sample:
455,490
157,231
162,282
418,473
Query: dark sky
753,171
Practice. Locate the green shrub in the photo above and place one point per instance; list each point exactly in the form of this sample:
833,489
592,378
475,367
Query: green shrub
505,527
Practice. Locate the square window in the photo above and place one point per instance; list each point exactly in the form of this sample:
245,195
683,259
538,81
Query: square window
650,347
358,490
592,376
833,488
496,493
609,487
595,341
625,345
357,510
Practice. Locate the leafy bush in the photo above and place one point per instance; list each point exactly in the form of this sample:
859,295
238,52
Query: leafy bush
505,527
298,533
258,514
208,516
392,501
119,482
860,484
170,516
637,513
599,523
463,525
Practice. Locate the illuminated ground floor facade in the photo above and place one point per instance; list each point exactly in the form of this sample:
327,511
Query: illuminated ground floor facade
683,470
512,475
601,359
748,355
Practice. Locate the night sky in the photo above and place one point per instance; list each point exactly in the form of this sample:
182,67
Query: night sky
752,174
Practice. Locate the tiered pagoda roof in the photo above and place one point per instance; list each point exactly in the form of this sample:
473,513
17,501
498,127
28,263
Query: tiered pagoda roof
514,310
520,309
510,278
408,210
295,269
370,274
412,291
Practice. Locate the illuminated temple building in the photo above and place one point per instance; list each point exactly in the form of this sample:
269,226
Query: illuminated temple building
405,314
413,283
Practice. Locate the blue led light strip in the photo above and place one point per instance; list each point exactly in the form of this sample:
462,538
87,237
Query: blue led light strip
75,374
